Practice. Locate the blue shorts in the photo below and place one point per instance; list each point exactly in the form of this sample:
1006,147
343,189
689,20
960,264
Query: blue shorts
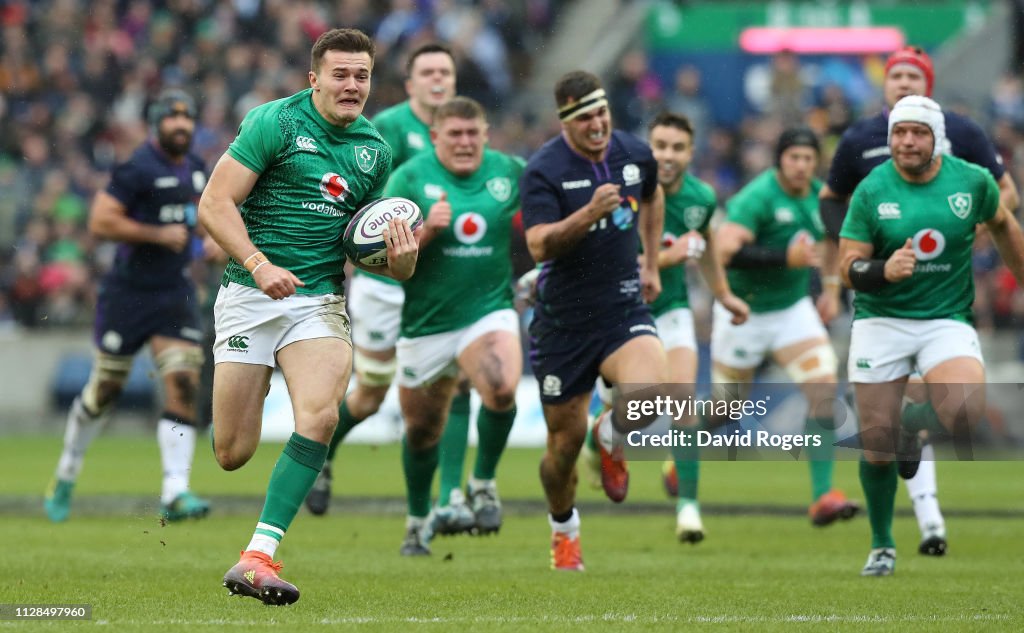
126,318
567,362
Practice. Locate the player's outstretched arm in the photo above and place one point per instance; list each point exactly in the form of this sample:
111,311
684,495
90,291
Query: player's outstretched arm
108,219
229,185
554,239
732,237
714,275
1009,241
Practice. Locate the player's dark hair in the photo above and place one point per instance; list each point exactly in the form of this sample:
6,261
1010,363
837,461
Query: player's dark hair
170,102
460,108
344,40
431,47
672,119
574,86
794,136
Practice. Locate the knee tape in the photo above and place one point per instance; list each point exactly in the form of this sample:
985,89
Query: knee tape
174,359
373,372
726,385
106,368
818,362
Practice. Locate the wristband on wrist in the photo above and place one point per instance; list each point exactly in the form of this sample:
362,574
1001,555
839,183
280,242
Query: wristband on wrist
254,261
755,256
867,275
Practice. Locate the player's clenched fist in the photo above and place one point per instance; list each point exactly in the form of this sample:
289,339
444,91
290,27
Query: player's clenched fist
440,215
802,252
174,237
274,281
900,264
605,200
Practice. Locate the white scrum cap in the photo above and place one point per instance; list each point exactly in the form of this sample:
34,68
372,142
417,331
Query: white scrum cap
918,109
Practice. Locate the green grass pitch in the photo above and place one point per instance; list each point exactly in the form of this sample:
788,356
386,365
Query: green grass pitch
761,568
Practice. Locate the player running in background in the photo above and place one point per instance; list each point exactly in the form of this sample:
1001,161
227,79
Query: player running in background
587,196
863,147
906,248
689,205
769,244
278,201
147,297
377,300
458,312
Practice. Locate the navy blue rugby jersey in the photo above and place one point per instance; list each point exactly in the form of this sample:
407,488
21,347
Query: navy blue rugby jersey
864,146
155,190
599,278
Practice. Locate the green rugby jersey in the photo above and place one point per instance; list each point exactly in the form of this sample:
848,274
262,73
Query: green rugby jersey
689,209
940,217
313,176
465,272
404,132
774,217
407,136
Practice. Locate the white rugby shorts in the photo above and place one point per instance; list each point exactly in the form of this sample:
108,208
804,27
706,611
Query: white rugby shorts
424,359
675,329
376,312
251,327
884,349
745,346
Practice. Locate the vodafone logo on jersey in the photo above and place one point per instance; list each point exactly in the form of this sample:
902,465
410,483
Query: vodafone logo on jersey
333,188
470,228
928,244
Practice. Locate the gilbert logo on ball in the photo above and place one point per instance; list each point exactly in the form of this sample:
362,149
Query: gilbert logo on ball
470,228
928,244
333,188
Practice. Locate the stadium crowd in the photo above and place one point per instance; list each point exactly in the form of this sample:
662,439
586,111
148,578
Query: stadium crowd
76,77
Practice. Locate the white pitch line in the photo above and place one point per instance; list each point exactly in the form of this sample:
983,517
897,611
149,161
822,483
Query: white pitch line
625,618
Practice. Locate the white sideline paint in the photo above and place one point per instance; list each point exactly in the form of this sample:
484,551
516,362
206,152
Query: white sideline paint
583,619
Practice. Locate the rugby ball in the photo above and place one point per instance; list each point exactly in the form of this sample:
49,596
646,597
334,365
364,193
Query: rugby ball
363,242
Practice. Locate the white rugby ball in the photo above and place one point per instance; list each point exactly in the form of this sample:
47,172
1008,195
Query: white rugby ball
363,242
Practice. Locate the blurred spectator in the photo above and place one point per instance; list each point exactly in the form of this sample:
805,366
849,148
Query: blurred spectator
76,77
634,93
1007,101
687,100
787,89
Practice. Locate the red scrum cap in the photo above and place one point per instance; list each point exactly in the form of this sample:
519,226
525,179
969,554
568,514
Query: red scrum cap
915,56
